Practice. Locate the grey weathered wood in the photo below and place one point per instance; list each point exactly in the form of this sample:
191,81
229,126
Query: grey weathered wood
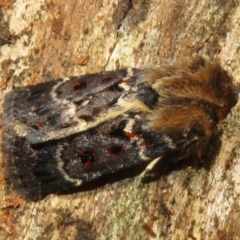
42,40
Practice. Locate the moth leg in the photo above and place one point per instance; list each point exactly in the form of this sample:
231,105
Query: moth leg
150,167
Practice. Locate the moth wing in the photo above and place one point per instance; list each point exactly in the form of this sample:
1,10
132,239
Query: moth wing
58,109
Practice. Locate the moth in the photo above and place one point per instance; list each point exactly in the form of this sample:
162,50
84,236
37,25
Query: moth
69,132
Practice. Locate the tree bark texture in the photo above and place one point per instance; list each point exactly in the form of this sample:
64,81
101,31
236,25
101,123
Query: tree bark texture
47,39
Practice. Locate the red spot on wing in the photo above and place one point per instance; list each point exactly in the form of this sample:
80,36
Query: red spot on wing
79,85
106,79
145,144
131,134
126,80
87,157
115,150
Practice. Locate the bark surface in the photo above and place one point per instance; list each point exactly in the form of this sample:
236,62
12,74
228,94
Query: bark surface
46,39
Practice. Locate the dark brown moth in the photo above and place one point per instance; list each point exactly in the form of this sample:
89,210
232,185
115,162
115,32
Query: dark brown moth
65,133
